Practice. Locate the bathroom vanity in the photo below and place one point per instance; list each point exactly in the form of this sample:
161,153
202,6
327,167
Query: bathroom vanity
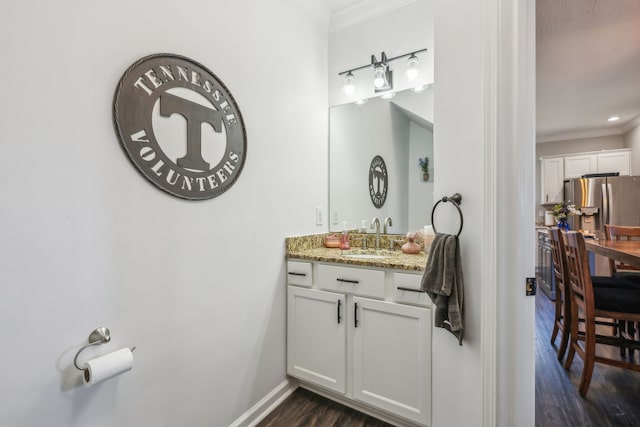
359,330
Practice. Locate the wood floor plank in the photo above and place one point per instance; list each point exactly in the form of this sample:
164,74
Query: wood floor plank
613,399
306,409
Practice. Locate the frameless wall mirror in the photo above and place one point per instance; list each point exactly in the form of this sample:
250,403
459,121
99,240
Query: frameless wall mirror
400,130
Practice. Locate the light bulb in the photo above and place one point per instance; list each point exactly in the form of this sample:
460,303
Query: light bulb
379,79
412,68
348,88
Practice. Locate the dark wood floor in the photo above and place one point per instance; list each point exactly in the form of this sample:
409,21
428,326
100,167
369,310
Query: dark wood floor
613,398
306,409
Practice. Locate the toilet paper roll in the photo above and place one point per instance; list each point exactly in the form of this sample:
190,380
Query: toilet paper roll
107,366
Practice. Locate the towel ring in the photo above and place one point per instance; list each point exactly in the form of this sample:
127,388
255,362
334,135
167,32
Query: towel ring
456,199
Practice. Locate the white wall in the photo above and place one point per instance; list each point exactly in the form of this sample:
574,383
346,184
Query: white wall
484,147
87,241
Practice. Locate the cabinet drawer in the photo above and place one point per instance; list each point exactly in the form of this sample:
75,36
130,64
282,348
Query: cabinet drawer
356,281
406,289
299,273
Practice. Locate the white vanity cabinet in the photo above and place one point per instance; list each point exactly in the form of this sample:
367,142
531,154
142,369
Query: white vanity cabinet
364,334
391,354
316,337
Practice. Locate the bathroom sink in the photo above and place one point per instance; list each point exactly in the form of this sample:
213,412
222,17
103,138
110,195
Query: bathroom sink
369,254
366,256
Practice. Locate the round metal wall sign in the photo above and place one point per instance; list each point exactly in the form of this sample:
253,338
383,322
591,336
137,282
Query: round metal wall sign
180,126
378,181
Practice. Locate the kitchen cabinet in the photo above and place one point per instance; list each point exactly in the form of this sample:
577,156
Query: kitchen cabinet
614,161
578,165
552,180
544,267
364,334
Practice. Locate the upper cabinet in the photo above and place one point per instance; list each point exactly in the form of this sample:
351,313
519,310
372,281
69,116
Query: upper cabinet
580,164
603,162
552,180
615,161
558,168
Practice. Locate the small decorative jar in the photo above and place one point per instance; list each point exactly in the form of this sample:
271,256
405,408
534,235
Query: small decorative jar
411,247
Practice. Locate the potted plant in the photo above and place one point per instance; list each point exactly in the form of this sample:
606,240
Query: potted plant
562,212
424,165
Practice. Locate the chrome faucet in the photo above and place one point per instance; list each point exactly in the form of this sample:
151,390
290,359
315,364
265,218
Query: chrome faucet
375,223
387,221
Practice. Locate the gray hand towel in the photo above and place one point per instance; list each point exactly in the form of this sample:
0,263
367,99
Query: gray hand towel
442,280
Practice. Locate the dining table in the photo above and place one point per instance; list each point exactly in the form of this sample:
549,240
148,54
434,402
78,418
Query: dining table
625,251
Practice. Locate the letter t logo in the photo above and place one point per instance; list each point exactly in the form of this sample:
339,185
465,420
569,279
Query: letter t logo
195,114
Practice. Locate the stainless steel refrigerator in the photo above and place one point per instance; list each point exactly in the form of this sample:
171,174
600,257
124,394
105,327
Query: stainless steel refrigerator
604,200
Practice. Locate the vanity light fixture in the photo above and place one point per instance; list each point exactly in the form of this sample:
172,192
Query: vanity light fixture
613,119
349,88
412,68
382,74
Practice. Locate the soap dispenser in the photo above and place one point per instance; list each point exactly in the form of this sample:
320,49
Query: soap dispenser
344,238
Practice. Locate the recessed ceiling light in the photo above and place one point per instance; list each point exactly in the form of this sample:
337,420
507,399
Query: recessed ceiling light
613,119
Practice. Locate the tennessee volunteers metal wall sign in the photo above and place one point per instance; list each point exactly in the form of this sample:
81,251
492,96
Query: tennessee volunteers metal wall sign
180,126
378,181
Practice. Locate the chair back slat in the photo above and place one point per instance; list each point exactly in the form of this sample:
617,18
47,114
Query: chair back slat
558,255
578,271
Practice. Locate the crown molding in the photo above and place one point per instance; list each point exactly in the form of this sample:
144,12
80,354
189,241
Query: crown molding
631,124
361,11
566,136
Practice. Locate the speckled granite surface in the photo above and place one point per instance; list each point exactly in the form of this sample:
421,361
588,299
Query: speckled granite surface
312,248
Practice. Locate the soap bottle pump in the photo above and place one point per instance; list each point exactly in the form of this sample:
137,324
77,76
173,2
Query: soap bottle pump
344,238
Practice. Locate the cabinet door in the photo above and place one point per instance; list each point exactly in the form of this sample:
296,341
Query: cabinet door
552,180
316,337
618,161
392,357
576,166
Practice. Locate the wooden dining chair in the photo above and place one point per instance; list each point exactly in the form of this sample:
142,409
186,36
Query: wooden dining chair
589,302
562,315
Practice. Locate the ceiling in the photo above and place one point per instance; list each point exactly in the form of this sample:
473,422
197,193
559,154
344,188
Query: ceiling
587,62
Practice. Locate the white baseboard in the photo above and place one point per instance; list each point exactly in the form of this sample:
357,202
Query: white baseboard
261,409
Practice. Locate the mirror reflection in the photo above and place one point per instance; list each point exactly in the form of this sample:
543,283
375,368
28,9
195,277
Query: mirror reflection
400,130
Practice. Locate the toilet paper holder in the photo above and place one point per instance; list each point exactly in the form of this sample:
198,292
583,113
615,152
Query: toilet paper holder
98,336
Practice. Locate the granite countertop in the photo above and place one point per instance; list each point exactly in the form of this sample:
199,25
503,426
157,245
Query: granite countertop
312,248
